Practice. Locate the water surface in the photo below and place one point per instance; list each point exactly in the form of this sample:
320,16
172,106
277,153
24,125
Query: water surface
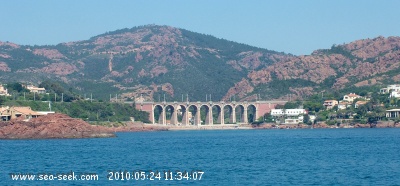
238,157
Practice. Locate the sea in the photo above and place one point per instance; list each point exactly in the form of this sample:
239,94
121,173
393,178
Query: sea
357,156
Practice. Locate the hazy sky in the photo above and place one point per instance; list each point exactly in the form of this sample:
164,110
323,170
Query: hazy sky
292,26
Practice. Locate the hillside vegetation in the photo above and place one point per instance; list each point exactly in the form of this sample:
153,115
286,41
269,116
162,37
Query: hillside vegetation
88,111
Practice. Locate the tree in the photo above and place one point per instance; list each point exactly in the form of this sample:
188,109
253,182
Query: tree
268,118
372,118
17,87
363,93
55,87
322,116
306,119
2,100
292,105
313,106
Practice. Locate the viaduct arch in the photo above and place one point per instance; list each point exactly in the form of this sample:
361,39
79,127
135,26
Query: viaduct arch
206,113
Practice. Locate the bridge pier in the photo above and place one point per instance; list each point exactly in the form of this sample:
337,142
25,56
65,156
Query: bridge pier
221,118
209,116
197,118
174,117
162,118
245,119
185,116
232,119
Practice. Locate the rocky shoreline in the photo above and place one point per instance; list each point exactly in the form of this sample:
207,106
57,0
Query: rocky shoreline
386,124
58,126
139,127
52,126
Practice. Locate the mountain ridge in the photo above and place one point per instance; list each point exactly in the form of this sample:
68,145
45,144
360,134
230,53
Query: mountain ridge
359,63
152,61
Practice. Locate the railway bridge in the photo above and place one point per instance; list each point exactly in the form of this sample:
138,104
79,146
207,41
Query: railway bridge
206,113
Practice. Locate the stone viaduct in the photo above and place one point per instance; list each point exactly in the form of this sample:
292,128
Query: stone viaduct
215,112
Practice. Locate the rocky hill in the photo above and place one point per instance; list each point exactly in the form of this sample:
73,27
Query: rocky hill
152,61
149,61
366,62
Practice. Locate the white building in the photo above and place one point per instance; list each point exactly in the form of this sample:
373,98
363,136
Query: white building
393,113
288,112
294,116
36,89
3,91
393,88
350,97
395,94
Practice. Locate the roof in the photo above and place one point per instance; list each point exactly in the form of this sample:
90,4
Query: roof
361,102
26,111
353,95
3,111
31,87
37,88
393,110
331,100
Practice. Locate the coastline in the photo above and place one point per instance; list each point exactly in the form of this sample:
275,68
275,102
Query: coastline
60,126
141,127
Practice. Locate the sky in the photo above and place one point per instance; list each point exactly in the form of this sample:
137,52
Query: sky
292,26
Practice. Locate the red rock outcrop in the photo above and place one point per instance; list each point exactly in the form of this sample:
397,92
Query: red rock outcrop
241,89
250,60
5,56
52,126
359,63
60,68
4,67
372,81
167,87
156,71
13,45
369,48
49,53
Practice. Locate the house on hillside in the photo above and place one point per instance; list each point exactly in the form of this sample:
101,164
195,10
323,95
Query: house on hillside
36,89
9,113
358,103
393,90
393,113
329,104
350,97
3,91
343,105
395,94
390,88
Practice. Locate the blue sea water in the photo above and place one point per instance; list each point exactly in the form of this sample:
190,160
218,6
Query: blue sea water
227,157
